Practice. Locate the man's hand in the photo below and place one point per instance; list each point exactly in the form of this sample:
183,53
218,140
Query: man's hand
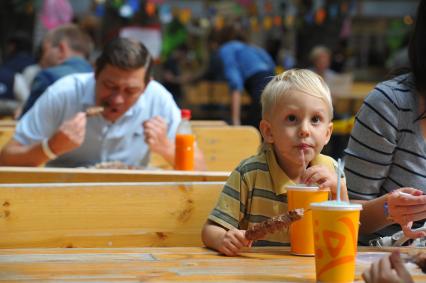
155,130
70,135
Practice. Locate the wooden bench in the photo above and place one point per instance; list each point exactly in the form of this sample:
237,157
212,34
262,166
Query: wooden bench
208,123
223,147
105,215
7,128
10,175
6,134
8,123
211,100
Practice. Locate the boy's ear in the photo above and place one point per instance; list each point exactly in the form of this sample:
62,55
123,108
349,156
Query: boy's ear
265,130
329,132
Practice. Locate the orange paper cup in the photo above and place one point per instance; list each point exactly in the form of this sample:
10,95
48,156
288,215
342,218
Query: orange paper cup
335,225
301,233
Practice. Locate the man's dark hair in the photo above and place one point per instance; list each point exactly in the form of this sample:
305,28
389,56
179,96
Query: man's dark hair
77,39
230,32
416,49
125,54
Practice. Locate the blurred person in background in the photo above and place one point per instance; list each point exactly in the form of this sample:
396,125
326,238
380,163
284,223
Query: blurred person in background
65,51
18,52
13,89
320,57
245,67
139,116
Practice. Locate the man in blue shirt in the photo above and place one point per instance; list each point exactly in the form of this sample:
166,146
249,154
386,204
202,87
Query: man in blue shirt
139,116
245,67
65,49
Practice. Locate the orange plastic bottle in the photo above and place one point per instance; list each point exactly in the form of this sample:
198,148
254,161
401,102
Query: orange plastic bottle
184,143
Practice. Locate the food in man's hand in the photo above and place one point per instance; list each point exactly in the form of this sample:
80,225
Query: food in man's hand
273,224
94,110
116,165
420,260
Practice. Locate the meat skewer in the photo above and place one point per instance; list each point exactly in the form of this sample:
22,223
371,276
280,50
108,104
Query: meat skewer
94,110
273,224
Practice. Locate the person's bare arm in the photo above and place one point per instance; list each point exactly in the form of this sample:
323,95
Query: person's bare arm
236,108
403,208
68,137
17,154
372,216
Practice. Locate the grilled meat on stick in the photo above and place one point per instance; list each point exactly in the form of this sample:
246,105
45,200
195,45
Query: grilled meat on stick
273,224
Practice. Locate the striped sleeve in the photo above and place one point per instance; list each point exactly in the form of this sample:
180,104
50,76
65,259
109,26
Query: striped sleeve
372,143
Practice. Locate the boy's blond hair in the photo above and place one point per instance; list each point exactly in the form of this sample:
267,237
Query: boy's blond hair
302,80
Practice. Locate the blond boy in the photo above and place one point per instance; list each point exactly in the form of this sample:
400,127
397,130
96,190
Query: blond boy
296,125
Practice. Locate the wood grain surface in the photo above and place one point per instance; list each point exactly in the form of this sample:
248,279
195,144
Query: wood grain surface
14,175
175,264
91,215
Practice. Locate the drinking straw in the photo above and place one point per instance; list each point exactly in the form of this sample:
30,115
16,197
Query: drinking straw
303,161
340,166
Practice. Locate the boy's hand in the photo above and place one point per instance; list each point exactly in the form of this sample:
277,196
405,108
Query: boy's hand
233,241
325,178
320,175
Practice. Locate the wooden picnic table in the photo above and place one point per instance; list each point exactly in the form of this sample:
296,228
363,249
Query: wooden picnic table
172,264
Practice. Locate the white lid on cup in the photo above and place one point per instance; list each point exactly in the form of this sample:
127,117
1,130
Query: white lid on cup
303,187
335,205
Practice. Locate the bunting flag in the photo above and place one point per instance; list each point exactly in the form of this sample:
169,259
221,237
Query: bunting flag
267,23
278,21
219,22
100,10
320,16
150,9
344,7
134,5
165,13
252,10
56,13
268,7
185,15
408,20
289,21
254,24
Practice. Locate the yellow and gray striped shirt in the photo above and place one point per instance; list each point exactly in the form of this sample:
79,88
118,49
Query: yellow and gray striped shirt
255,191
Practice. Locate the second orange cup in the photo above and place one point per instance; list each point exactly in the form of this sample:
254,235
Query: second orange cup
301,232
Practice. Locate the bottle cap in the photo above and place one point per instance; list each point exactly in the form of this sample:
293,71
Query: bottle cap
186,113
